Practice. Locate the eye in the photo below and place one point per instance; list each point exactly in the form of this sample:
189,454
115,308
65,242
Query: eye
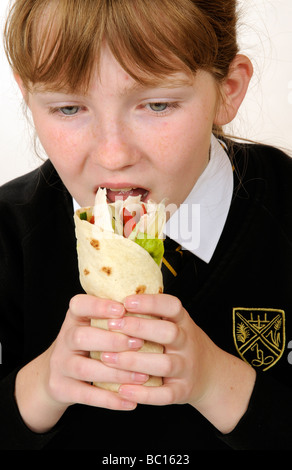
158,107
69,110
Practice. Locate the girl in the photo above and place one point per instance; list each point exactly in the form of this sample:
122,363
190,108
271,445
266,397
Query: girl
132,97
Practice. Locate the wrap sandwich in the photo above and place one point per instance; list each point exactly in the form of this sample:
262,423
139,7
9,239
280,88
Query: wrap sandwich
120,250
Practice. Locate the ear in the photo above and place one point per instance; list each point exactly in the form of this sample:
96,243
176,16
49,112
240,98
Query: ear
233,89
21,86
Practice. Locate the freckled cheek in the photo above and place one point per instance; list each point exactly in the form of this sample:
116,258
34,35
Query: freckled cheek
59,145
171,143
158,142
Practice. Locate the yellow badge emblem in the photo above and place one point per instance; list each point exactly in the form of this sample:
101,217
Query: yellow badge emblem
259,335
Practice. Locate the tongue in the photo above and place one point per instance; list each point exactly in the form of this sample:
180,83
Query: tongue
112,195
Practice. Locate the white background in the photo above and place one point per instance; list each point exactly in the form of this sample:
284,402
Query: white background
265,34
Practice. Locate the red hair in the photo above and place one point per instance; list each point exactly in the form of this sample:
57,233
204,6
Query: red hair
56,43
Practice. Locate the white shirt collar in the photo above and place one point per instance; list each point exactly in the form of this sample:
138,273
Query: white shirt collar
198,223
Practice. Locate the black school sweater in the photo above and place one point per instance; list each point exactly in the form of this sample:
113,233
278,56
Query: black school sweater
242,299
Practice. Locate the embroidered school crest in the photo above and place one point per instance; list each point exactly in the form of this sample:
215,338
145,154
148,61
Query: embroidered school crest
259,335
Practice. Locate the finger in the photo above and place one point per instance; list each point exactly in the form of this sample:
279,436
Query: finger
84,307
74,391
155,330
161,305
160,365
87,338
91,370
164,395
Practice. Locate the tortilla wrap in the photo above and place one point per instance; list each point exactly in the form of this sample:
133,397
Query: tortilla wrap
114,267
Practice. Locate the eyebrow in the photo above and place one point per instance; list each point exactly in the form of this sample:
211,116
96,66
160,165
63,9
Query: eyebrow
170,82
135,86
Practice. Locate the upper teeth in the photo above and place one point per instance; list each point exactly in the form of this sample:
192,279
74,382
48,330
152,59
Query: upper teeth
122,190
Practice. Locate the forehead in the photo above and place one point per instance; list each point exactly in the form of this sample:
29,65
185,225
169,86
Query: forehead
66,44
107,72
108,66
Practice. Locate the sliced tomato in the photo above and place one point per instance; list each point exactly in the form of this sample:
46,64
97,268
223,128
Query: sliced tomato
129,222
127,216
130,219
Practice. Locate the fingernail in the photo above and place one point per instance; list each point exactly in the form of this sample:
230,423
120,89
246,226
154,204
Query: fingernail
128,405
131,303
135,343
116,309
140,378
109,357
126,391
117,324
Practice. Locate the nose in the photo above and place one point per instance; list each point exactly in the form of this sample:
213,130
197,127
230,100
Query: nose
114,148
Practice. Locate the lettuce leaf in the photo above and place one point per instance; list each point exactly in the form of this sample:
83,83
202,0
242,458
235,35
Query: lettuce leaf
154,246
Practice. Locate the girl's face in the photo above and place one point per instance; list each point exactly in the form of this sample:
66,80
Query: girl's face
122,135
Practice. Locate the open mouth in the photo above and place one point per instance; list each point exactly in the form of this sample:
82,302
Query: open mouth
123,193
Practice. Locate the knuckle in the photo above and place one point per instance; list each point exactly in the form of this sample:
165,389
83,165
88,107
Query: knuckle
136,323
54,363
121,376
180,366
84,395
177,305
109,402
128,360
118,341
167,366
170,396
173,333
74,304
188,389
54,380
76,337
79,368
54,389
